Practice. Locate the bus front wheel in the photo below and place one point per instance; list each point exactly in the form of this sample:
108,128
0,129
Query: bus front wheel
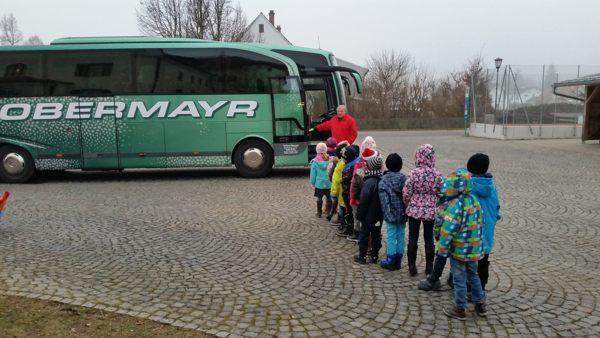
16,164
253,159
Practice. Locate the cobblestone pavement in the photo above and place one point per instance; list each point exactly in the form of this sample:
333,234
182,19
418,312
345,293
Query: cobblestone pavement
210,251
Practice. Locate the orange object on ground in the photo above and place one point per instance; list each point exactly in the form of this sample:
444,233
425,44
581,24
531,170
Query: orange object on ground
3,201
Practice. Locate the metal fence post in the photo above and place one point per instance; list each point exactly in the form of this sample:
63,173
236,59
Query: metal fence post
467,108
542,103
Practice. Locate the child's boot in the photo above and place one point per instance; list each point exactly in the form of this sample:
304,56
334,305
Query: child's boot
360,259
428,284
398,261
319,208
412,259
429,256
327,209
332,210
456,313
374,259
481,309
390,262
353,237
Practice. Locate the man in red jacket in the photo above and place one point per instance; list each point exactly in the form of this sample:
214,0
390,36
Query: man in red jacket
343,126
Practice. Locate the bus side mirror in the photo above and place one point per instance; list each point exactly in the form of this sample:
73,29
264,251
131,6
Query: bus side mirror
346,82
359,82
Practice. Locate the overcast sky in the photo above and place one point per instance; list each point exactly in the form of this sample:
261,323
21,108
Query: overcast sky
442,34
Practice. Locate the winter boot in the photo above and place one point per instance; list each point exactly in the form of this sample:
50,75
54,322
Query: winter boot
347,226
353,237
429,256
390,262
456,313
319,208
427,285
481,309
360,259
412,259
335,222
398,261
333,206
327,209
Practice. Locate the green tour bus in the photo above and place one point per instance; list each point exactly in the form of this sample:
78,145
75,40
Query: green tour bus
145,102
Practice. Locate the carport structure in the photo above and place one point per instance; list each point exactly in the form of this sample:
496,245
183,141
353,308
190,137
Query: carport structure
591,117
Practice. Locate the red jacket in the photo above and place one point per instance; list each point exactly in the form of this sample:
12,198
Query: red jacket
343,129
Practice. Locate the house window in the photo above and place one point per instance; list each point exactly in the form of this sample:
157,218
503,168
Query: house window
261,28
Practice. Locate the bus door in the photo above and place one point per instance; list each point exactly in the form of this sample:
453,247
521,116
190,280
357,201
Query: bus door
98,132
321,102
289,117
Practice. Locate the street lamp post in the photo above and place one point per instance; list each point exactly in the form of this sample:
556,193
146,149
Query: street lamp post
498,63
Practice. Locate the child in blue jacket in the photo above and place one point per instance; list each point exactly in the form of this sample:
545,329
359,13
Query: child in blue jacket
392,205
319,178
487,195
484,190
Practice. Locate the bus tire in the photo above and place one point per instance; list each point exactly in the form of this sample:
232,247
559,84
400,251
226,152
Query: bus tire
253,159
16,164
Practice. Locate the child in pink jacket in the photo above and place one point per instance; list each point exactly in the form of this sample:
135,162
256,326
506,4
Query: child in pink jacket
420,196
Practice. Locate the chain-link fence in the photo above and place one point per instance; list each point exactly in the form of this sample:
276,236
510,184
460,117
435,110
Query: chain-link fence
431,123
518,95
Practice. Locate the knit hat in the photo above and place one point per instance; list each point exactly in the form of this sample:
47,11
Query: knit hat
478,164
349,154
321,148
393,162
338,150
368,143
331,143
368,153
374,163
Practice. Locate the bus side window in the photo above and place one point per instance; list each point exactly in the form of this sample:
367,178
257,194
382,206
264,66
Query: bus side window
89,73
249,72
22,78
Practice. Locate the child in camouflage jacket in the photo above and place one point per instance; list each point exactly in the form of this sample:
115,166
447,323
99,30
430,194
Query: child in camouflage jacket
459,224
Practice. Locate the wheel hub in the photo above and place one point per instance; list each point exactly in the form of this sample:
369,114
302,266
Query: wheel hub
14,164
253,158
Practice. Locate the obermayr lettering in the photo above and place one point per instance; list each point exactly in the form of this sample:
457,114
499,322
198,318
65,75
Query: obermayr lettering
136,109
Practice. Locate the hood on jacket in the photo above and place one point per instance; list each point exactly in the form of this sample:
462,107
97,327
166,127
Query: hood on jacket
482,185
425,156
456,184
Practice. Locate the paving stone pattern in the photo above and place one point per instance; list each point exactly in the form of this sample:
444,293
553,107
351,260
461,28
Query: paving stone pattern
207,250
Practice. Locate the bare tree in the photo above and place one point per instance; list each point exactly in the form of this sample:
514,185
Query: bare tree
448,97
166,18
216,20
9,31
420,87
236,27
386,82
198,19
33,41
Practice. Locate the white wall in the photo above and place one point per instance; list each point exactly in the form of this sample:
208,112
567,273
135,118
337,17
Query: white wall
523,132
270,36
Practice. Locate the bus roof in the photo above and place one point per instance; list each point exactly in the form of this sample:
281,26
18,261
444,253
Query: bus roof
325,53
107,42
121,39
143,42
